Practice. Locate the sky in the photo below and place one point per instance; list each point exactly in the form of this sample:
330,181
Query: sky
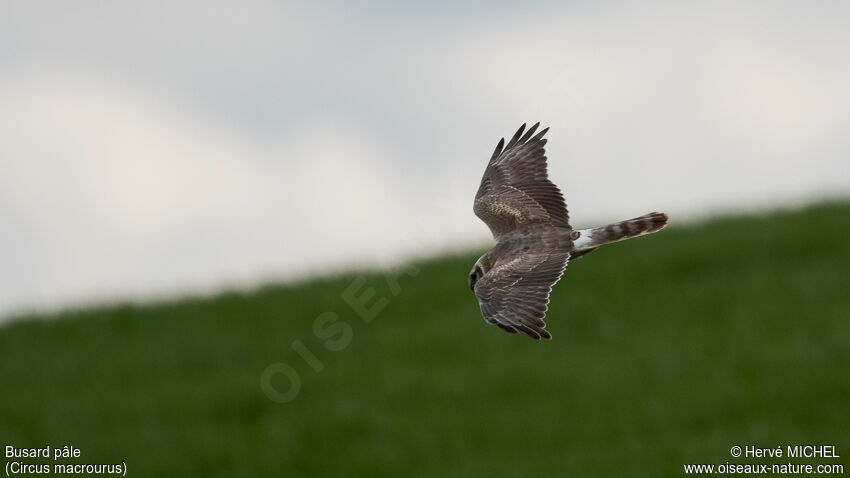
155,149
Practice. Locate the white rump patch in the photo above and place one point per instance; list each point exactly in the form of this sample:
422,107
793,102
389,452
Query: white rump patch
584,241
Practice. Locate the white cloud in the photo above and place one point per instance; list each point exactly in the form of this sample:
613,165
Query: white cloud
110,193
694,109
161,149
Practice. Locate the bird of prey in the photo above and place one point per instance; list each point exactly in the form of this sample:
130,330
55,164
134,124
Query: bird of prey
534,240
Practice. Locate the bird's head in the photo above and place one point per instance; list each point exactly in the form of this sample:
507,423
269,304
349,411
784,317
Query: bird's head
475,274
478,270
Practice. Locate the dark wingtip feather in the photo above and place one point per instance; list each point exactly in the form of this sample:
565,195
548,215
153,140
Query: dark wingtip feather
528,331
529,132
540,134
516,136
498,150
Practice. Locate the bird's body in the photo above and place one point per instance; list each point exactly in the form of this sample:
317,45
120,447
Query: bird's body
534,241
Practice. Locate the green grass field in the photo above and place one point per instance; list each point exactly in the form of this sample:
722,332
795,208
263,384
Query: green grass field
667,350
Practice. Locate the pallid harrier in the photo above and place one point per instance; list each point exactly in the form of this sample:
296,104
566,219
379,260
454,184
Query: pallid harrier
534,240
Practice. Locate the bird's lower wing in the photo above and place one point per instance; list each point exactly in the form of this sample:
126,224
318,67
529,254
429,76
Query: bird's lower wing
515,295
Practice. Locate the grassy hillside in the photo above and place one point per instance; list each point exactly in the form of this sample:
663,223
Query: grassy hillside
667,350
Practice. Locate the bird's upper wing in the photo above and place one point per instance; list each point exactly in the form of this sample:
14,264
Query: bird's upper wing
514,294
516,188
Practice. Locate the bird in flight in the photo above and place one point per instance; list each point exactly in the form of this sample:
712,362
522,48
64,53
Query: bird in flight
534,240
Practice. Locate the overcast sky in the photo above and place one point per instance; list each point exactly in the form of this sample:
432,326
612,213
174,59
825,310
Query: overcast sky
159,148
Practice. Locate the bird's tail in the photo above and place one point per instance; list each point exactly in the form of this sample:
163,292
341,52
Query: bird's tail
589,239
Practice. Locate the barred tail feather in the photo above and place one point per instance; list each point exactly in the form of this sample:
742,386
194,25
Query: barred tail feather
590,239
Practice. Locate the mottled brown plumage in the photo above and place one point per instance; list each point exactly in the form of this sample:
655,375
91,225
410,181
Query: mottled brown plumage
534,240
